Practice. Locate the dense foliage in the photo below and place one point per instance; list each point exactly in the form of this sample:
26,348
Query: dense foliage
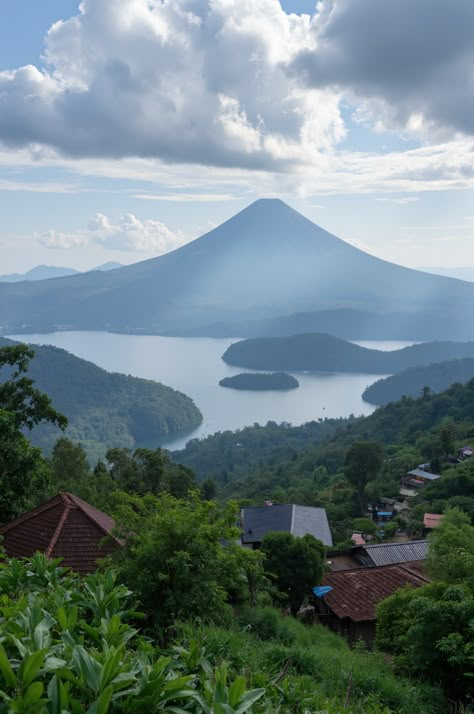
105,409
139,472
431,630
411,382
69,645
295,565
173,555
22,407
325,353
260,381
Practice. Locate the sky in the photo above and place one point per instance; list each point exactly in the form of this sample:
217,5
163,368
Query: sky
129,127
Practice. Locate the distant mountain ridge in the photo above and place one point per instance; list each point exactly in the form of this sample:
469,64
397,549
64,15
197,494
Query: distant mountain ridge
325,353
45,272
263,263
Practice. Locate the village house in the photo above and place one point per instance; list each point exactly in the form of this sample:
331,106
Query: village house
64,527
431,520
257,521
377,554
415,479
347,600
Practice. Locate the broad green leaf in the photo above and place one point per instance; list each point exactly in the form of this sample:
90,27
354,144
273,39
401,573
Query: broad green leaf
236,691
88,667
102,704
6,670
249,699
32,695
41,635
30,667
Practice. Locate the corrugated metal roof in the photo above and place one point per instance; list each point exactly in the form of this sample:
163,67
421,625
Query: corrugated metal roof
419,473
356,593
393,553
288,518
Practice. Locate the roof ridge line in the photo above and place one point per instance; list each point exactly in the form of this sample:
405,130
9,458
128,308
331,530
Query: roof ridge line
58,530
78,504
382,545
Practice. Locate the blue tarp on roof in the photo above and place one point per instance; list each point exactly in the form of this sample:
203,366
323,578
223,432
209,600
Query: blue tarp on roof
322,590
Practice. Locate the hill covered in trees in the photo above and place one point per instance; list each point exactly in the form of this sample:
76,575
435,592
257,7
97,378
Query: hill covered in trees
411,382
319,352
105,409
306,464
248,380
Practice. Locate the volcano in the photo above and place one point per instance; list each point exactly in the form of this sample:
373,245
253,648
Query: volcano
265,262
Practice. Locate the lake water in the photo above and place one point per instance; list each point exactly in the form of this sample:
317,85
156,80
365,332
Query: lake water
194,366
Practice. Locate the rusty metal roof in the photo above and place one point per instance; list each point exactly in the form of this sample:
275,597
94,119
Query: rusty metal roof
356,593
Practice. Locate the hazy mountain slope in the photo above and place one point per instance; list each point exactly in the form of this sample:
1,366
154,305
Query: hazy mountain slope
265,262
106,409
325,353
411,382
345,323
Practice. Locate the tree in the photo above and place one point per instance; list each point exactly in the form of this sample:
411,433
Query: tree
451,549
179,556
23,471
149,471
365,526
362,464
428,630
297,565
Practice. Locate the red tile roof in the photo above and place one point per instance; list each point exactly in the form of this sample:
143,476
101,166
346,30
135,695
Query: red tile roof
66,527
431,520
356,593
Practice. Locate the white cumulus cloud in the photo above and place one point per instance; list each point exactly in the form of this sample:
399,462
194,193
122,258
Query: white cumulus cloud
128,233
197,81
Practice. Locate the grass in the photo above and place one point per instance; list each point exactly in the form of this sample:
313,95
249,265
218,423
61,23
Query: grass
309,669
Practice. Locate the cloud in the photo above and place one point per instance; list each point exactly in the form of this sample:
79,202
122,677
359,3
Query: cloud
197,81
404,64
401,201
127,234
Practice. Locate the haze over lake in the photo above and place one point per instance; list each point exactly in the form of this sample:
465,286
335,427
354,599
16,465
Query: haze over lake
194,366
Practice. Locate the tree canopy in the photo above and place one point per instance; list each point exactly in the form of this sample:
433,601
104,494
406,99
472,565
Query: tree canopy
23,472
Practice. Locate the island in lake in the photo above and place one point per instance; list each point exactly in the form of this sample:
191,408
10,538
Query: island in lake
260,381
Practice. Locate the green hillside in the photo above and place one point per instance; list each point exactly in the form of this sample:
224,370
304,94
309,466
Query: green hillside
106,409
411,382
319,352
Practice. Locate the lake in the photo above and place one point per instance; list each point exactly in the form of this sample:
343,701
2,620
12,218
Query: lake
194,366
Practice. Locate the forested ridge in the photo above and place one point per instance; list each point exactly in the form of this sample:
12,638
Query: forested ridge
319,352
410,382
105,409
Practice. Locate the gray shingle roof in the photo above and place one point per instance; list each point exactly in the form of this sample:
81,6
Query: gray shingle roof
259,520
393,553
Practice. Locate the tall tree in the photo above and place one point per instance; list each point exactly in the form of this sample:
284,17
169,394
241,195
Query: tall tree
451,548
362,464
297,565
23,471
